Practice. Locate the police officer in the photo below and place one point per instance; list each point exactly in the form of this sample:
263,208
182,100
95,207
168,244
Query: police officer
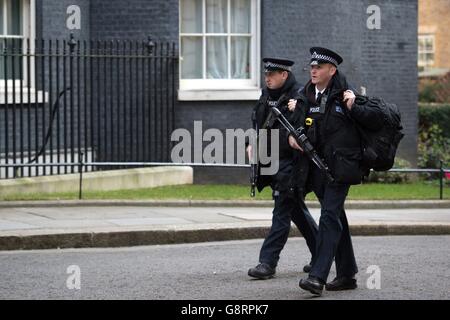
331,130
281,88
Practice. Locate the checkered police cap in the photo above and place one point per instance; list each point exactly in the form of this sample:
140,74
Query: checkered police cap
322,55
277,64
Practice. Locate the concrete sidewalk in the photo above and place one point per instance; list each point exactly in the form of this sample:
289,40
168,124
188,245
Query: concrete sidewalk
72,224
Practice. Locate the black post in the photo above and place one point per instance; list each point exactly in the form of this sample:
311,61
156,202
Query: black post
80,169
149,128
91,102
153,118
441,180
112,100
42,65
72,44
13,76
64,120
130,101
58,121
21,75
118,144
78,101
50,101
85,95
29,127
5,68
38,53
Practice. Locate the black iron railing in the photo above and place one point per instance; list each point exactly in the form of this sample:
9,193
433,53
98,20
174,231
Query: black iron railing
112,101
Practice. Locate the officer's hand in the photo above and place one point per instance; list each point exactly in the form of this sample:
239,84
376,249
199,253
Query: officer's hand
349,99
249,151
294,143
292,104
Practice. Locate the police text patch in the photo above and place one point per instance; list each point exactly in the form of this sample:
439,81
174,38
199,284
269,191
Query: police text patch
314,109
272,103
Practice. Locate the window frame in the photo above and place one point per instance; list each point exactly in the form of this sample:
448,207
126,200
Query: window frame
425,63
224,89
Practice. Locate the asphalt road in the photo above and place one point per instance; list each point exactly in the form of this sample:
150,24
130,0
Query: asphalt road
409,267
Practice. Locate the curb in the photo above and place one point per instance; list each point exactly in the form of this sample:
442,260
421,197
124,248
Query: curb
167,236
137,178
350,204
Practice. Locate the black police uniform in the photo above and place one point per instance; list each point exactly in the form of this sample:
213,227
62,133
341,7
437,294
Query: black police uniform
335,138
289,201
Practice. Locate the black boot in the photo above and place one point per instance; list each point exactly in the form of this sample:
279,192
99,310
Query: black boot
341,283
262,271
312,284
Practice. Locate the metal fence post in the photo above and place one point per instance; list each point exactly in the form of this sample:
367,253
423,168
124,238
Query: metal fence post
441,180
80,169
72,44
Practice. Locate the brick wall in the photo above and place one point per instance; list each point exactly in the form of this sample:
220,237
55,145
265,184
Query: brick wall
135,19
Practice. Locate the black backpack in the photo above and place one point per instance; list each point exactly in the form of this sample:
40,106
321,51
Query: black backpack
381,132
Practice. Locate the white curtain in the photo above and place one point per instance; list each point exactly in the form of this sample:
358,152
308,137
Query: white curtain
240,58
240,16
217,58
192,58
240,45
216,46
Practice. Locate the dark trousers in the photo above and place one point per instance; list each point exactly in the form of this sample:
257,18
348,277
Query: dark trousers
287,208
333,240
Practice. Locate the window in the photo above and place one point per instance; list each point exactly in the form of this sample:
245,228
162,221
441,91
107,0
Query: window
17,24
219,45
15,27
426,51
